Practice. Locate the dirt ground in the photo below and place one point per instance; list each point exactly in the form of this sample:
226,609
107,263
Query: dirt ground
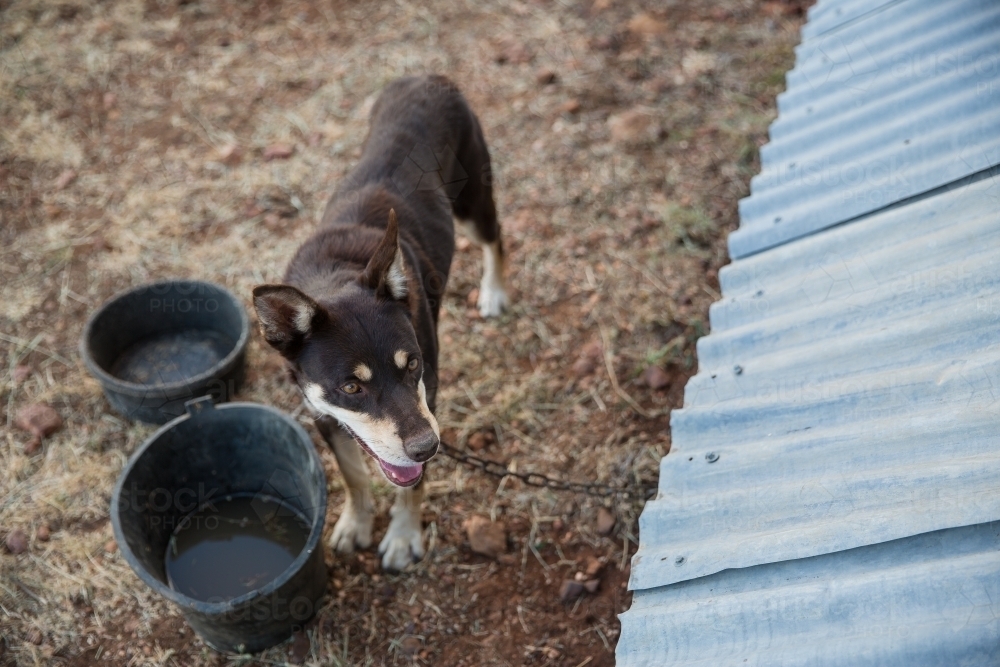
145,139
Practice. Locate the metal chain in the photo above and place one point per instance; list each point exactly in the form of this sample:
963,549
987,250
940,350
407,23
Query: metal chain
537,479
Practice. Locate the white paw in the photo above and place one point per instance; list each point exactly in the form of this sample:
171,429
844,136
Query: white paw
403,543
492,300
353,529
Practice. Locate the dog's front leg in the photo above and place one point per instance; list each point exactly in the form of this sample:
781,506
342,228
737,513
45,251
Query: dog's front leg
404,540
354,527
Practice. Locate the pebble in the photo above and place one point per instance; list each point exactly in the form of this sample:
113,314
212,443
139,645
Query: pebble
570,106
655,377
40,420
410,646
485,537
65,179
477,441
591,586
16,542
570,591
110,547
593,567
43,533
21,373
605,521
545,76
231,154
644,24
278,152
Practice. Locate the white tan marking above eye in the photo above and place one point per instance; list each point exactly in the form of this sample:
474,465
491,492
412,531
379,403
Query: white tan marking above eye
401,358
363,372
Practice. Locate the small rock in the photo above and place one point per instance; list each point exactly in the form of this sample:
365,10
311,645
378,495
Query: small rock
593,567
410,646
485,537
655,377
278,152
299,649
583,367
38,419
634,127
477,441
43,533
272,221
231,154
473,298
65,179
570,106
16,542
110,547
591,586
21,373
605,521
35,636
644,24
570,591
545,76
110,101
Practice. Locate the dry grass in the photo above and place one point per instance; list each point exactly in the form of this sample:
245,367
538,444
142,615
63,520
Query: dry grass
614,247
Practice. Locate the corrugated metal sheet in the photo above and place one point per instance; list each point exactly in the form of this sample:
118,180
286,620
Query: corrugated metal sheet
828,15
885,107
850,391
933,599
834,471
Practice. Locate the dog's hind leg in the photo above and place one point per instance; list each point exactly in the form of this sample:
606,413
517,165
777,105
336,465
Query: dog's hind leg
476,211
485,230
354,527
404,540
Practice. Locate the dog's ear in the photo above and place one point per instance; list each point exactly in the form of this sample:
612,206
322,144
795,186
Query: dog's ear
386,272
286,316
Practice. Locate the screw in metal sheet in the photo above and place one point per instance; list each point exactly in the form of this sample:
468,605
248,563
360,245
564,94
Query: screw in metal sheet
679,561
738,369
711,457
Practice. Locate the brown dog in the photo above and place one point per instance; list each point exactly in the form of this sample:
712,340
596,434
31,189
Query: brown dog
357,313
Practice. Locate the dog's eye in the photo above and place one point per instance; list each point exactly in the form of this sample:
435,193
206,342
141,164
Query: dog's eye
414,362
351,388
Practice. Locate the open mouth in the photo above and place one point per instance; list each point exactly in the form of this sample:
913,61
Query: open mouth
399,475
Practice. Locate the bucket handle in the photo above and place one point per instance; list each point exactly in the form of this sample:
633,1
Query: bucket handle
196,405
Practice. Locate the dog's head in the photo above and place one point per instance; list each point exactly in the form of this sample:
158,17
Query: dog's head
356,359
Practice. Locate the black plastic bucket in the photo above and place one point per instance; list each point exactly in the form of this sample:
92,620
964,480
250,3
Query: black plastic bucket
156,346
205,456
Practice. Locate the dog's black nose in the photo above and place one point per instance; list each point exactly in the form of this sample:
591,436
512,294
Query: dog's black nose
421,447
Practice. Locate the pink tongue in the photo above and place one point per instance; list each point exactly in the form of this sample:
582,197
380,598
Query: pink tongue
402,474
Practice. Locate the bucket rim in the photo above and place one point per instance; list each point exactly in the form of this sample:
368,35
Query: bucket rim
136,389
